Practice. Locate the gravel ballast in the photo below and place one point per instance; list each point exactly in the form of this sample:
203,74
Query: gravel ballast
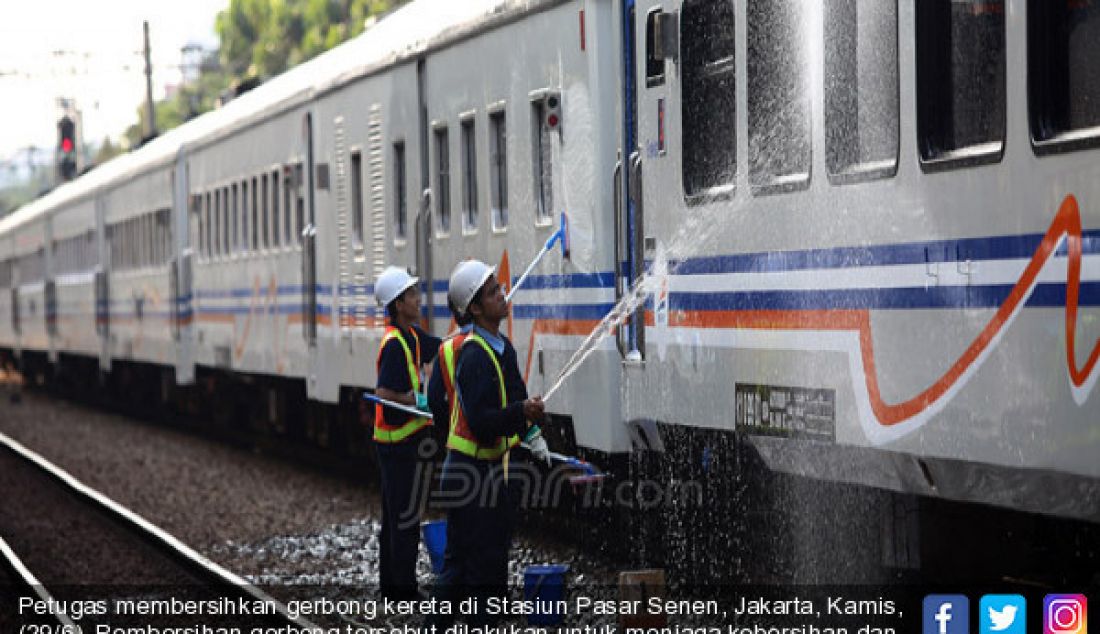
266,519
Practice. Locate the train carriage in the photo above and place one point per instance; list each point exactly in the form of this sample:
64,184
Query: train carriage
866,257
28,231
74,263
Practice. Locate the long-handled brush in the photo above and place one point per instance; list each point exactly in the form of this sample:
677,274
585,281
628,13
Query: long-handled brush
561,236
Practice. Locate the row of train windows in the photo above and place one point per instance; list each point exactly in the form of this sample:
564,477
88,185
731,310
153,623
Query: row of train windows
441,167
263,212
142,241
138,242
71,255
31,268
76,254
960,73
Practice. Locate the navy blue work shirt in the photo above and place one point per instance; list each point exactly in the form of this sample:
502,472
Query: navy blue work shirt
478,391
393,367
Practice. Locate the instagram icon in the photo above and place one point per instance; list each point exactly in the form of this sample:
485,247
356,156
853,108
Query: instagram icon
1065,614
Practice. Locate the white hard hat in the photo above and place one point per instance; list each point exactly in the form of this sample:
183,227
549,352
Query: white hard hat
467,278
392,283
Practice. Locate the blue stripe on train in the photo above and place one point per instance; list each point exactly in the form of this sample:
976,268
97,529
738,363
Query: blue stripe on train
1044,295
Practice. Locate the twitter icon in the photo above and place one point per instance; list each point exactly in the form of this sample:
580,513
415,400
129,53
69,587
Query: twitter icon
1002,614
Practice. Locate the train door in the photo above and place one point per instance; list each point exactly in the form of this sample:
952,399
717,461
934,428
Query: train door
102,288
309,239
680,73
630,197
179,270
49,293
423,224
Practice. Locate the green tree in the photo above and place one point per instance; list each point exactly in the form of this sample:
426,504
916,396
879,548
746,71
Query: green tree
262,38
259,39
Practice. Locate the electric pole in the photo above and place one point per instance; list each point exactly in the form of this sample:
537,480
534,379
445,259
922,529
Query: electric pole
150,112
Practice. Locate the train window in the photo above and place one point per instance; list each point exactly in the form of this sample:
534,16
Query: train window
469,175
5,274
156,243
149,233
210,220
126,245
91,251
443,178
498,169
960,82
288,206
861,88
222,222
1063,77
709,108
242,244
400,196
276,194
234,220
153,253
165,223
357,199
135,245
265,212
542,161
254,243
778,99
204,223
654,63
137,235
300,202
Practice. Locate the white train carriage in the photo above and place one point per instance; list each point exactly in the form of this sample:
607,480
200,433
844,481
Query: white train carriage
508,152
28,231
877,255
138,232
248,209
73,266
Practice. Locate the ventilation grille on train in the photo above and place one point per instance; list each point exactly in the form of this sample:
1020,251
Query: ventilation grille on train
376,160
343,230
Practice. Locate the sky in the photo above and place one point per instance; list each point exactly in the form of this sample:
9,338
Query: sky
102,40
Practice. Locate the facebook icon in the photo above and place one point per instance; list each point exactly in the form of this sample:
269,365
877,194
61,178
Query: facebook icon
946,614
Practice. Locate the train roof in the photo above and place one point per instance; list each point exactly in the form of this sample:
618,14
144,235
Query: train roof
409,31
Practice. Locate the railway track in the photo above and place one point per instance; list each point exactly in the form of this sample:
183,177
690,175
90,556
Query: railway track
73,560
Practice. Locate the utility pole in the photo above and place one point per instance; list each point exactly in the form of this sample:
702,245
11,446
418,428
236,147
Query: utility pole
150,112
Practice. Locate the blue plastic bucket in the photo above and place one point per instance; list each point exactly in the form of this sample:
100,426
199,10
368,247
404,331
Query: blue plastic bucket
435,540
545,585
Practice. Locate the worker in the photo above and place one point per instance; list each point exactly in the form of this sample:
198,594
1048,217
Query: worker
488,412
402,353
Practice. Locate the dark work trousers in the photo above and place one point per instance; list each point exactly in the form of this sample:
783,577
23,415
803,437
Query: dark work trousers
481,515
403,479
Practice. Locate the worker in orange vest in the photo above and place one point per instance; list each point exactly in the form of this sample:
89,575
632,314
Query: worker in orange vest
402,353
479,388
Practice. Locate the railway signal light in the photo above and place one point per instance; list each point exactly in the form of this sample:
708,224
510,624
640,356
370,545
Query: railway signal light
66,145
551,111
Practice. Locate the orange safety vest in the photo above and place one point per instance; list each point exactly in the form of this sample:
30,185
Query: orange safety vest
460,438
384,432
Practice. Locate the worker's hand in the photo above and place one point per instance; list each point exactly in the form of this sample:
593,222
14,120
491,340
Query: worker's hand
422,402
533,409
539,449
